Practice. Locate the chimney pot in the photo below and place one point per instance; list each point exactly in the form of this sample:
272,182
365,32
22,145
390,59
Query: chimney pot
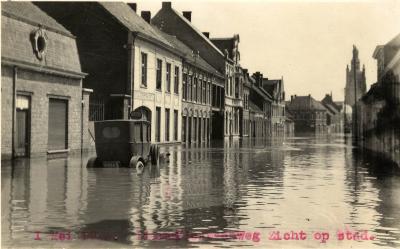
146,15
166,5
207,34
187,15
133,6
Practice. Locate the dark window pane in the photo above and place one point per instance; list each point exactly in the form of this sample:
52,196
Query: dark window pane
58,124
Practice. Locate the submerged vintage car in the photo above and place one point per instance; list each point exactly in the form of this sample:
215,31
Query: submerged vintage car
123,143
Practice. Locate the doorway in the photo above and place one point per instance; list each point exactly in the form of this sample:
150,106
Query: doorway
22,131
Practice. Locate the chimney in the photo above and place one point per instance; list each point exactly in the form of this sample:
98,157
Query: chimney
133,6
207,34
291,98
146,15
187,15
166,5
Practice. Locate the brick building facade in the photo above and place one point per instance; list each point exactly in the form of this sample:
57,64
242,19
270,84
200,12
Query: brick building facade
44,108
131,65
308,114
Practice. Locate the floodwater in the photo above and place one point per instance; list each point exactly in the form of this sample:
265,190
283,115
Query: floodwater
230,194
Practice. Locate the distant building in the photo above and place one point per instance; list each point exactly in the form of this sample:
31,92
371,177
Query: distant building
308,114
359,75
44,109
275,88
334,118
379,109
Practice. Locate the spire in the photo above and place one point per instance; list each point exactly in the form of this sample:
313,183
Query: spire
355,62
355,52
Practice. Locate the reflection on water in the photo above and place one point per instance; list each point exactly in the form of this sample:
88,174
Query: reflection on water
308,183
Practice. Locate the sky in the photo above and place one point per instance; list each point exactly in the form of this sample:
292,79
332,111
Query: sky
308,43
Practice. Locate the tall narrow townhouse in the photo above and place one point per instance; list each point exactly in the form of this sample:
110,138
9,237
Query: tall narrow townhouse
233,85
132,67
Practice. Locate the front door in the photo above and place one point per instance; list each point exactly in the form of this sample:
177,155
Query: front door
22,136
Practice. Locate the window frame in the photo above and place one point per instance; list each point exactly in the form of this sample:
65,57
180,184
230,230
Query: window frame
159,75
143,69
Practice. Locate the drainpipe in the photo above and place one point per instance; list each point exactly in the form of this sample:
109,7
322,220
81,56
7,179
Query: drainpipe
15,74
82,110
131,69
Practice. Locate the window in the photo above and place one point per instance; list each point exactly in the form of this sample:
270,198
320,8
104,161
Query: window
158,123
194,94
176,80
144,132
158,75
58,124
176,125
204,92
168,88
199,91
136,132
184,95
189,93
209,93
237,87
230,87
166,124
184,128
213,100
144,69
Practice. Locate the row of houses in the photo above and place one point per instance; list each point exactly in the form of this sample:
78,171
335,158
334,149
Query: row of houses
378,110
312,116
68,64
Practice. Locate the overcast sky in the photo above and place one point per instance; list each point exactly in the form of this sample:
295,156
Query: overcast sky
308,43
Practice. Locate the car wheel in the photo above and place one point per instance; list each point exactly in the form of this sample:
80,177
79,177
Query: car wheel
154,153
139,166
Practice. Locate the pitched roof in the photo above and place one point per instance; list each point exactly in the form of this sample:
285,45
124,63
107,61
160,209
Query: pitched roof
127,17
27,11
305,103
273,87
224,44
188,54
172,22
328,102
254,107
196,30
395,42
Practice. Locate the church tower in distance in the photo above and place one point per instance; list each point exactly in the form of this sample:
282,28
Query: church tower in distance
358,75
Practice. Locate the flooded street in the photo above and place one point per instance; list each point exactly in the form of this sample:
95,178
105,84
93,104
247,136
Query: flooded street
304,184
